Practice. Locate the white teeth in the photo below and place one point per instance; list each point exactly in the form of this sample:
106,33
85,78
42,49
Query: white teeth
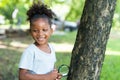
41,38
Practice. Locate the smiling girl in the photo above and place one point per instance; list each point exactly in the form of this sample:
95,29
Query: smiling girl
37,61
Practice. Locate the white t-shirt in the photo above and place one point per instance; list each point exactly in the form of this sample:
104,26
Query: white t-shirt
37,61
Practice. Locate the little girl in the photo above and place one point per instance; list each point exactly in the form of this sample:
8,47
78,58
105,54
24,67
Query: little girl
37,61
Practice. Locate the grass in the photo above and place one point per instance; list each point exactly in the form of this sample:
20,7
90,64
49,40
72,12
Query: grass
9,64
63,58
113,45
9,56
63,37
111,68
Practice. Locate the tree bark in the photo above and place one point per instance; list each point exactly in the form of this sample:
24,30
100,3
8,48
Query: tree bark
90,46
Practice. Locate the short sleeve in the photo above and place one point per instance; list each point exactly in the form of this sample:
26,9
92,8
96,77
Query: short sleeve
26,61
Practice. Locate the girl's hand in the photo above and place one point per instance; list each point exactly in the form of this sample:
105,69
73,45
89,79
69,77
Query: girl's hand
59,76
53,75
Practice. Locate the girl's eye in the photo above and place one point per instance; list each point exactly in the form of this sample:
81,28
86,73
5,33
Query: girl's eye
35,30
45,29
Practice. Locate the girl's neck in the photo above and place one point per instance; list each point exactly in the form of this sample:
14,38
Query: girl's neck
44,47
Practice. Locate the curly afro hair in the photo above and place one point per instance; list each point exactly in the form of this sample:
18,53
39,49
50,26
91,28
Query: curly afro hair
38,10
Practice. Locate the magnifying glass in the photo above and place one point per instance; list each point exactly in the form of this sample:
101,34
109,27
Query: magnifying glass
63,69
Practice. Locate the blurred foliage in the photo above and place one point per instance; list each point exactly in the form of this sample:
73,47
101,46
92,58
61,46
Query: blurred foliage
76,8
116,18
7,8
117,7
74,11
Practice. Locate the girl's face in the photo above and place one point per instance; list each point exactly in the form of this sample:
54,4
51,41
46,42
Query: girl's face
41,31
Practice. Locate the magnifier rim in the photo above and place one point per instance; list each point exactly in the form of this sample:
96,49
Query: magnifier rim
65,74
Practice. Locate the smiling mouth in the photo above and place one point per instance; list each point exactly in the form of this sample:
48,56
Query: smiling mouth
41,38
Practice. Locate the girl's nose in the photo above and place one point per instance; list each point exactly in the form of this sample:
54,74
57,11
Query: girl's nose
40,32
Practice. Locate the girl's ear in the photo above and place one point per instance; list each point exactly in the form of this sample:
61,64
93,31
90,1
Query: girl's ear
53,27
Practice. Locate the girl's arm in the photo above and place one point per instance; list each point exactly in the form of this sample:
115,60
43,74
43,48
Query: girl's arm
25,75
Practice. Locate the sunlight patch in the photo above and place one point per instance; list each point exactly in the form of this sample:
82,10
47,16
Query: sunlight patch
112,53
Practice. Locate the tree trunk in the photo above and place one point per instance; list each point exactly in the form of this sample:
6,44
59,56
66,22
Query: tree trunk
93,33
